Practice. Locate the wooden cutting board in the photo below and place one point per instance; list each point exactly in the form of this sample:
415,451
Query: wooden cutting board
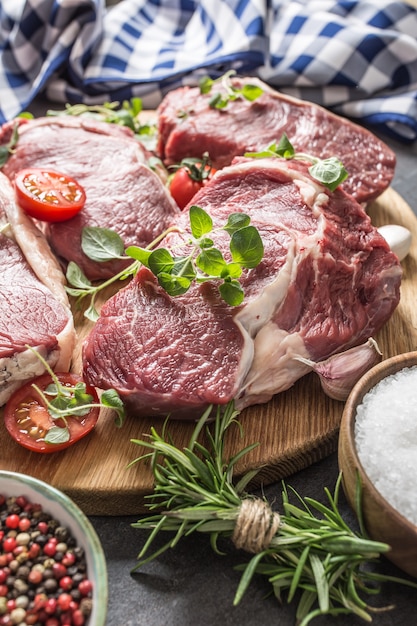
294,430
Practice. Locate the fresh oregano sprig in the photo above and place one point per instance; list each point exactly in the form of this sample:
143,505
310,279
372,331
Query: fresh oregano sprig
329,172
312,555
63,401
230,93
204,261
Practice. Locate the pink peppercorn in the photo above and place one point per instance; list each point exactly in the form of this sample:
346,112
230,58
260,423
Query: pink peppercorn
9,544
50,548
85,587
12,521
66,583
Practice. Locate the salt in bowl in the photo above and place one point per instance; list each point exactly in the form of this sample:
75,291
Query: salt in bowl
381,507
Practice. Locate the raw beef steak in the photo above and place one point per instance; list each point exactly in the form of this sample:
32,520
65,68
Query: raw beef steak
123,193
30,313
189,126
327,282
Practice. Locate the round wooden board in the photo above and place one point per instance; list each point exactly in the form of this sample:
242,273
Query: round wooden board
294,430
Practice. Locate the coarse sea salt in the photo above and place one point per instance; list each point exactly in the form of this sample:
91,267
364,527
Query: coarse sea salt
386,439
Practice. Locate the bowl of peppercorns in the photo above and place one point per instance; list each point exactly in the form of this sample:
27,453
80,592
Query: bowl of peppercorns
52,565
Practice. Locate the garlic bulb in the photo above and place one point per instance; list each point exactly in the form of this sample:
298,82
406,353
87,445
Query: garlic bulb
398,238
340,372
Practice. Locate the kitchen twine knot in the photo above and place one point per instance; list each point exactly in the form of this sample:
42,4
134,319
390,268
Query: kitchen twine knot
255,526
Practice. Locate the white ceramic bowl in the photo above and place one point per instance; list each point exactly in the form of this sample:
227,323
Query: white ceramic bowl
63,509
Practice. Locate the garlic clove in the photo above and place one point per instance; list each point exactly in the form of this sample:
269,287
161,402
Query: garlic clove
398,238
339,373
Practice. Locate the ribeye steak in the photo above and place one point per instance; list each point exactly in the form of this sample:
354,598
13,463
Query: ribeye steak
327,282
123,193
189,126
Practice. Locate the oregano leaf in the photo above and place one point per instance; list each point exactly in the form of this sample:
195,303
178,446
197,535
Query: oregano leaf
200,222
101,244
246,247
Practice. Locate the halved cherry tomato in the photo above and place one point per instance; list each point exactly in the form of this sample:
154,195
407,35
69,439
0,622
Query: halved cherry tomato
47,195
190,176
28,421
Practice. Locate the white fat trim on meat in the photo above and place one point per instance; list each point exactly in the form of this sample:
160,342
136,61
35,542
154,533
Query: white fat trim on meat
33,244
311,190
274,368
255,314
22,366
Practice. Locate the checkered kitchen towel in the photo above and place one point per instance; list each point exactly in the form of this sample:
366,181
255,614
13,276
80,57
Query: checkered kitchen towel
358,58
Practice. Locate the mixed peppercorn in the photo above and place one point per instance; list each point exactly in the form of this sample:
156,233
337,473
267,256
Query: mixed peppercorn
43,572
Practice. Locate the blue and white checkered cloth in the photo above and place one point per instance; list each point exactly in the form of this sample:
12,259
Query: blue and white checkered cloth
357,58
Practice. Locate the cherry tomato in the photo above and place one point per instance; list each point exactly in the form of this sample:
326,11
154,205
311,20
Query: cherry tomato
28,421
190,176
47,195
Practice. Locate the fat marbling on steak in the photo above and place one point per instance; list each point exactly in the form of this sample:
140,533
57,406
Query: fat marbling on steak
33,312
123,193
327,282
189,126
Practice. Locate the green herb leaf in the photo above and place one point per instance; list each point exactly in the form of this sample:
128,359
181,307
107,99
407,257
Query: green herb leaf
330,172
235,221
285,147
101,244
76,277
232,292
231,270
56,435
211,262
174,285
111,399
246,247
140,254
200,222
251,92
161,260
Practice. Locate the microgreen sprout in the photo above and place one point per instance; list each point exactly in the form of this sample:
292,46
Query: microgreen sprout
230,92
330,172
204,261
63,401
311,554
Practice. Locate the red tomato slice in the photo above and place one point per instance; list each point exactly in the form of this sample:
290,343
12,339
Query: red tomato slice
28,421
47,195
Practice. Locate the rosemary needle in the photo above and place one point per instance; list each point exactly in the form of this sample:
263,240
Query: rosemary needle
307,551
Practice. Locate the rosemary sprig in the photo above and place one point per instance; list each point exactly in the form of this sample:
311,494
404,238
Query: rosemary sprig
310,551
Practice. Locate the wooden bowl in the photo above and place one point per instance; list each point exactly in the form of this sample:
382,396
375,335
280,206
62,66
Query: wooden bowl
381,520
